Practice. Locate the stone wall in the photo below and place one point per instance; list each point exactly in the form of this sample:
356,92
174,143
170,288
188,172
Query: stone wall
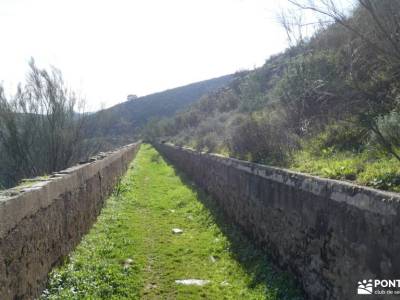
43,222
330,234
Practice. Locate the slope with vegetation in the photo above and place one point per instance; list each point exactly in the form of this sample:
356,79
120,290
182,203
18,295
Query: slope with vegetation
131,253
122,123
44,128
328,105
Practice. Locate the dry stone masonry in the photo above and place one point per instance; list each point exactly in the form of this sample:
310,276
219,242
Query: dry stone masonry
330,234
42,223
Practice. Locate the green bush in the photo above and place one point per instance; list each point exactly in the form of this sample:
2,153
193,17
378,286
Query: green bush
208,143
311,90
389,127
263,138
337,137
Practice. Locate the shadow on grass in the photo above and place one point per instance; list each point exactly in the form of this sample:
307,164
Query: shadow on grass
255,261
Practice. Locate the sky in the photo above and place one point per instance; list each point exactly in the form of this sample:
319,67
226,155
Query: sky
107,49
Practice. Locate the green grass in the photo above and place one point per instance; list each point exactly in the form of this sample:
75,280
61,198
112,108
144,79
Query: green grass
377,171
136,224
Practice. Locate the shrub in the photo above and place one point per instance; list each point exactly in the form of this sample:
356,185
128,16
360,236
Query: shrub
389,127
311,91
337,137
41,127
263,138
208,143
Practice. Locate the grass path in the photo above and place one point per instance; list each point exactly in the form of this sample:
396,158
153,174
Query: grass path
131,252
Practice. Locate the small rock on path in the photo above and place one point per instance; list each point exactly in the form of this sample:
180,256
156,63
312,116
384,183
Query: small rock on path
177,231
198,282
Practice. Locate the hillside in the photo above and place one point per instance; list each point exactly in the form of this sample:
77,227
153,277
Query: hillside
329,105
50,131
123,122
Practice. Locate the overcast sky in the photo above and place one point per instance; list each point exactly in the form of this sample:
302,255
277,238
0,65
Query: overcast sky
107,49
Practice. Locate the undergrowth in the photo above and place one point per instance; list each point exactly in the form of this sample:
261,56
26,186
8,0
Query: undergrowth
374,170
